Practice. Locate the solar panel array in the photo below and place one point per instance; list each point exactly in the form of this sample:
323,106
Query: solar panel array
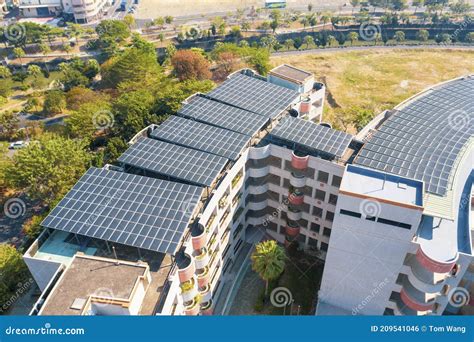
202,137
221,115
127,209
176,161
254,95
423,140
313,136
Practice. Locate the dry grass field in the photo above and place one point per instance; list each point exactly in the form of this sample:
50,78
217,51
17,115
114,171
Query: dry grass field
378,79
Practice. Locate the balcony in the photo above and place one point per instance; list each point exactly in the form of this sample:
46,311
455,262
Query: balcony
299,160
201,258
295,197
188,290
237,179
433,265
224,218
236,199
186,267
223,201
413,303
292,229
210,222
294,214
203,277
297,180
198,237
192,308
206,308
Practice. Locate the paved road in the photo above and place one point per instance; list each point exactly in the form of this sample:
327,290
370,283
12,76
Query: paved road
375,47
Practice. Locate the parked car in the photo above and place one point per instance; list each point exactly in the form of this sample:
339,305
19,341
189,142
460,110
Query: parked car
17,145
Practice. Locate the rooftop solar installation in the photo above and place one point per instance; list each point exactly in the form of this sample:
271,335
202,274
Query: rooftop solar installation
218,114
423,139
132,210
199,136
312,136
254,95
180,162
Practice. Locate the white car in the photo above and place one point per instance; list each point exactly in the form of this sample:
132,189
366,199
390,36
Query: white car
17,145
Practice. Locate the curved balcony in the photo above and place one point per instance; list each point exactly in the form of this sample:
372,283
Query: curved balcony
299,160
294,214
413,303
292,229
296,198
188,290
258,173
423,279
201,258
198,237
297,180
259,152
433,265
193,308
305,106
205,293
203,277
186,267
257,205
206,308
257,189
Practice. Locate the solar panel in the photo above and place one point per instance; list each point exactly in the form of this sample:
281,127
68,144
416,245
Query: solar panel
172,160
423,139
312,136
254,95
132,210
221,115
199,136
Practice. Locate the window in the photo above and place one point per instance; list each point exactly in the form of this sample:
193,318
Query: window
320,195
394,223
329,216
332,199
237,246
323,177
350,213
315,227
336,181
313,242
327,232
324,246
318,212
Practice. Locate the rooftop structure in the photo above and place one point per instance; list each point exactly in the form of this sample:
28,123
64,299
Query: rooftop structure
174,161
291,74
128,209
92,285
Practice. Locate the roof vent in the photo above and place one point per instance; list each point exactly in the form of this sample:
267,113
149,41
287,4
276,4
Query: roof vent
78,304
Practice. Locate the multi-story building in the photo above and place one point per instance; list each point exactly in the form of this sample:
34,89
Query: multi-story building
191,196
402,236
83,11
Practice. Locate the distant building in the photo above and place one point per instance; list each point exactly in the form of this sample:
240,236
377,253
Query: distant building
83,11
243,163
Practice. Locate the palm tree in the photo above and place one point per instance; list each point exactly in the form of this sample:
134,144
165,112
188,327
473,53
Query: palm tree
289,43
353,36
268,260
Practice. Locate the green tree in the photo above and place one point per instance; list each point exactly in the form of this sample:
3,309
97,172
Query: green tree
54,102
169,19
268,260
422,35
353,36
289,43
47,168
9,122
417,4
470,37
308,40
5,72
35,71
19,53
13,271
113,29
360,117
332,40
87,119
129,21
114,149
460,7
399,36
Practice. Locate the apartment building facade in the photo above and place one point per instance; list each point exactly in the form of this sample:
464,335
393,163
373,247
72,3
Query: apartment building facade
234,165
83,11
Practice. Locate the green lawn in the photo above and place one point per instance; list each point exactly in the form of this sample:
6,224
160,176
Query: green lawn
378,79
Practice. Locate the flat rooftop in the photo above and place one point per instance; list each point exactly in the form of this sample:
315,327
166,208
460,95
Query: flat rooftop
291,73
381,185
86,277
